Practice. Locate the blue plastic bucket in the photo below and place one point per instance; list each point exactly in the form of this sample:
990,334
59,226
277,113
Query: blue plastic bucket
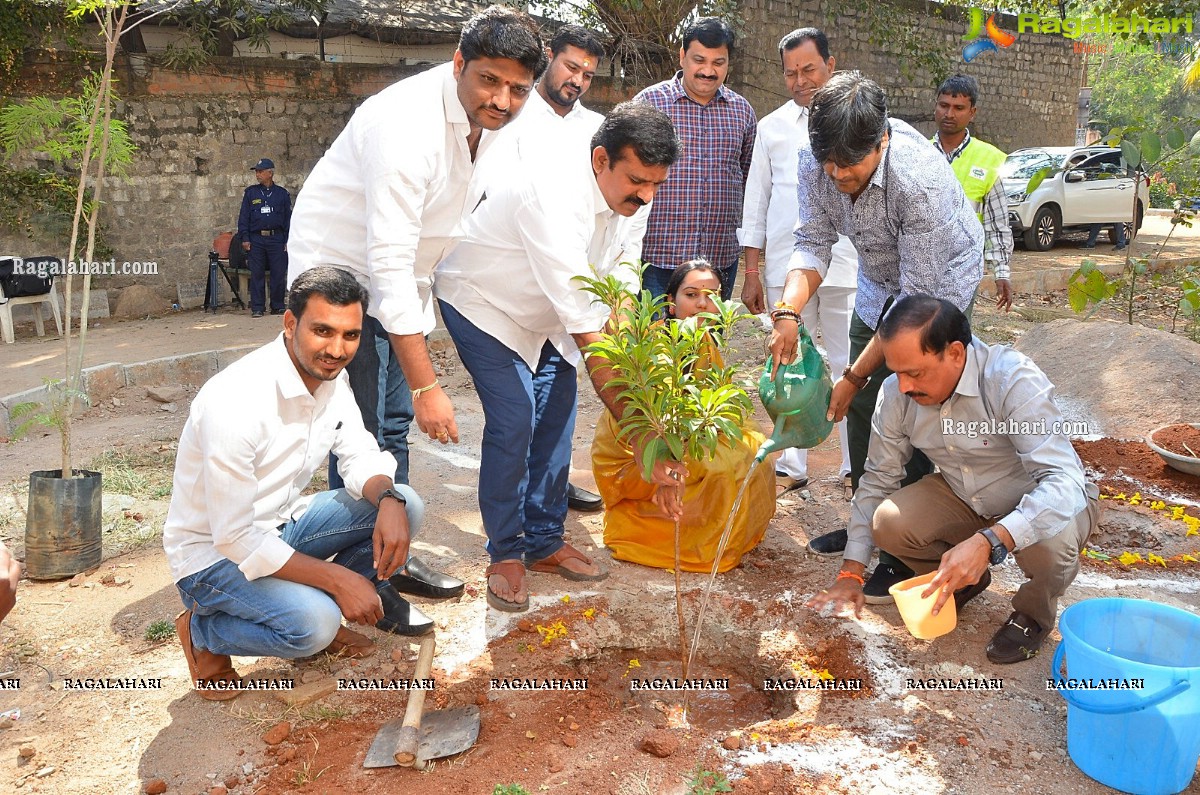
1144,741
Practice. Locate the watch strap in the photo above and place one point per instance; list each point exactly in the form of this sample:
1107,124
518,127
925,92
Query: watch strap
857,380
395,495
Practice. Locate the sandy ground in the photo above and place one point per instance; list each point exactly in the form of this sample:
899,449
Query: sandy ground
888,737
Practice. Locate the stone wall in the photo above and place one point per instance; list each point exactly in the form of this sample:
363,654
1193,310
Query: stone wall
1028,92
197,136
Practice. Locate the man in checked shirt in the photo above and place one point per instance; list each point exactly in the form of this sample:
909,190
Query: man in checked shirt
697,212
879,182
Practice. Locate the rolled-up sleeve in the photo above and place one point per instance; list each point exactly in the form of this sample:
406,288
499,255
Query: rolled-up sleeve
888,452
1060,492
230,492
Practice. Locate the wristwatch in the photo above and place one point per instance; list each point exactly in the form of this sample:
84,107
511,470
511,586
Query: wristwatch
395,495
999,551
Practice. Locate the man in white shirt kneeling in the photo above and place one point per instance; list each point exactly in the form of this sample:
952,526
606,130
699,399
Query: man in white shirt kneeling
249,553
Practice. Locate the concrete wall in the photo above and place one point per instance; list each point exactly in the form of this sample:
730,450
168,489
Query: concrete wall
1029,91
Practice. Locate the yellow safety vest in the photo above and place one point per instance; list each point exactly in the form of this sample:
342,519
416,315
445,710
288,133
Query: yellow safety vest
977,168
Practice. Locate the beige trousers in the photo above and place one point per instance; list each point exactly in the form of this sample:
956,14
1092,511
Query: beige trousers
920,522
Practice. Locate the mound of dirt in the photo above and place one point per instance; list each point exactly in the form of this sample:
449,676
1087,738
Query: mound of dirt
1123,380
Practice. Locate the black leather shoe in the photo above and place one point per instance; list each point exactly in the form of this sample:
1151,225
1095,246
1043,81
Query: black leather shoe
876,591
829,544
1019,639
964,595
421,580
583,500
399,617
276,311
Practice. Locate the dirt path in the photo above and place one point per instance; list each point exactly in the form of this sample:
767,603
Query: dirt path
885,738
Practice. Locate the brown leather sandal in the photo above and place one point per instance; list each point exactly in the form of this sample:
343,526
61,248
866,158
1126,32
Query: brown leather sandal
513,572
205,667
350,645
553,565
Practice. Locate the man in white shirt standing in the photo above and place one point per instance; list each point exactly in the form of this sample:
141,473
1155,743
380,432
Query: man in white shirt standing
574,54
509,299
769,214
385,202
248,553
554,108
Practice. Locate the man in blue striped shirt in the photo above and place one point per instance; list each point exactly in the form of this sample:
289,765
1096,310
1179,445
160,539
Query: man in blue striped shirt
879,182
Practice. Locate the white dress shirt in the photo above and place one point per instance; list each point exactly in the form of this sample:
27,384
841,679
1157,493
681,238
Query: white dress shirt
770,210
512,273
578,119
252,441
385,201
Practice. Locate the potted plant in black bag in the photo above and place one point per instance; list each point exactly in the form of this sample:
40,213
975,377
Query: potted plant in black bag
63,525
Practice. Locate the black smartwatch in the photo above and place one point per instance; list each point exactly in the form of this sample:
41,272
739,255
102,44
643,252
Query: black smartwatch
999,551
395,495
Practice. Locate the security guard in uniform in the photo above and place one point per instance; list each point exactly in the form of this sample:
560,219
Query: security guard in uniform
977,166
263,229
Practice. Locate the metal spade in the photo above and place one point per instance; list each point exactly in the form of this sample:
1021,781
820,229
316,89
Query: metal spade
416,738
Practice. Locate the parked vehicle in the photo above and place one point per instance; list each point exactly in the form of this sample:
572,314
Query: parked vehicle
1091,186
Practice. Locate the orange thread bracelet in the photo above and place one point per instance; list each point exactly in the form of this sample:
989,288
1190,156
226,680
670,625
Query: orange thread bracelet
849,575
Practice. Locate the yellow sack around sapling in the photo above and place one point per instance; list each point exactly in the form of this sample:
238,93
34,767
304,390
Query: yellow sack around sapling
635,530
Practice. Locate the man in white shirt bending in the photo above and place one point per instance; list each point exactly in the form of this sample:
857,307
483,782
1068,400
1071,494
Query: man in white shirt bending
385,202
248,552
769,215
509,299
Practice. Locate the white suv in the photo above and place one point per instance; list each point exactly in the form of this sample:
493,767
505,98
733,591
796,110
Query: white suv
1092,186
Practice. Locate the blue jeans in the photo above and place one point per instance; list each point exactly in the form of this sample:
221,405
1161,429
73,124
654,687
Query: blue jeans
266,253
1094,234
383,397
272,617
656,279
529,418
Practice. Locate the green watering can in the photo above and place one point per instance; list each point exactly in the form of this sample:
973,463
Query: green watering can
797,399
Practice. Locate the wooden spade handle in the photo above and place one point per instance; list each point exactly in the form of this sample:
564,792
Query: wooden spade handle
406,741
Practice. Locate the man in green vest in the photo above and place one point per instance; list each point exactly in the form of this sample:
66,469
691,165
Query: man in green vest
977,166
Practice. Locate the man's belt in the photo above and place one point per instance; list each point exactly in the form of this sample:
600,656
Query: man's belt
268,232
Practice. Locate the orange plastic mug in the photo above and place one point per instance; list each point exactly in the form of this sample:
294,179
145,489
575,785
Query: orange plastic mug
916,611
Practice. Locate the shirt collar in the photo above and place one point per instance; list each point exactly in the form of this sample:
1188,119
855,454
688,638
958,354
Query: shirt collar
291,385
957,150
968,382
799,112
601,204
678,92
455,112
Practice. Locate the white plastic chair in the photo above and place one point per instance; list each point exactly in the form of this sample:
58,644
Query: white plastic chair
36,301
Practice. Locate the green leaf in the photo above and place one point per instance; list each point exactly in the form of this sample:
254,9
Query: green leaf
1151,147
1175,138
1133,155
1038,178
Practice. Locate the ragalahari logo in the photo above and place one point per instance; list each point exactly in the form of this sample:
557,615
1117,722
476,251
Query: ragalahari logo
993,36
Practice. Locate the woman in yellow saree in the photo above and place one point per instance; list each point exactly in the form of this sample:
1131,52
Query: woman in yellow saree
637,525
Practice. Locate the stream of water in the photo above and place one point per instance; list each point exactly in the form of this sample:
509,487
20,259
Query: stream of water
712,577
